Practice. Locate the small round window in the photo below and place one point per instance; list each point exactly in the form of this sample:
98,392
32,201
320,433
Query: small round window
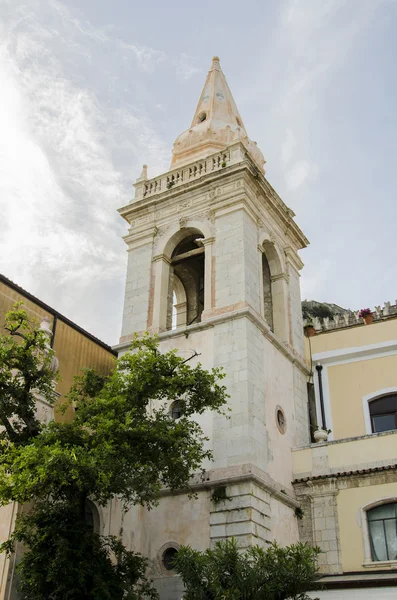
281,421
202,117
176,409
169,557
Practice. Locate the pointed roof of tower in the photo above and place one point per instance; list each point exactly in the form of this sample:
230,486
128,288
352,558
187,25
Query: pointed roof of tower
216,100
216,123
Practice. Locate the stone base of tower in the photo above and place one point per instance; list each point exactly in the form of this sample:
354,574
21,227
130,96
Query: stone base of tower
240,502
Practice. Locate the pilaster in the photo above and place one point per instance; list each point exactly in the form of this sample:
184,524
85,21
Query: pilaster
243,514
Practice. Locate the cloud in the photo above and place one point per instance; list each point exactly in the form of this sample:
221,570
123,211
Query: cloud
62,160
313,42
288,147
299,174
184,67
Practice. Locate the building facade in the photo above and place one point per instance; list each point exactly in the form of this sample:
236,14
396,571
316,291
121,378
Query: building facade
347,485
75,349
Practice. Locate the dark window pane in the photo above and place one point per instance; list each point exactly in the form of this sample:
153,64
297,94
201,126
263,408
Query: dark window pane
176,409
383,413
169,557
383,423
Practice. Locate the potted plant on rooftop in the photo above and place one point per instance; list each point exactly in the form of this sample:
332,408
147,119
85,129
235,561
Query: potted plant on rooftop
309,329
366,315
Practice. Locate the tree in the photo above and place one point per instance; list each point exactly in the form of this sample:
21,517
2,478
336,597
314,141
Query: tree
26,372
225,573
123,442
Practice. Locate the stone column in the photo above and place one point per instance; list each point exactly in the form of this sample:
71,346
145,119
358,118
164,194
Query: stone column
160,298
240,510
280,306
325,524
208,244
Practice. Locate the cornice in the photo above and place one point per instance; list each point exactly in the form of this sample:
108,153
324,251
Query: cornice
277,207
228,315
233,476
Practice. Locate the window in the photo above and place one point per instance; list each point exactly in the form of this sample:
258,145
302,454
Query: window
91,516
281,420
382,526
169,557
186,285
176,409
267,292
383,413
202,117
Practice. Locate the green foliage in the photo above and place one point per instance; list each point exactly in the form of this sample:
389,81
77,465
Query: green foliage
68,561
121,443
219,494
225,573
316,310
25,373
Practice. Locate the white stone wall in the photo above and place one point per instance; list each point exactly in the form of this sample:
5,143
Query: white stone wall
252,458
295,310
137,289
240,437
229,259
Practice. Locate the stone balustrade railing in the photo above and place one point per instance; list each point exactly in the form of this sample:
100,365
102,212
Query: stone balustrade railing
351,318
145,188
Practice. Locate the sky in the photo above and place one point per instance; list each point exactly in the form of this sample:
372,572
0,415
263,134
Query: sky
90,90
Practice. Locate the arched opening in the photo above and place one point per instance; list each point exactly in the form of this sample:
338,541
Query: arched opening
176,410
91,516
186,282
267,292
273,288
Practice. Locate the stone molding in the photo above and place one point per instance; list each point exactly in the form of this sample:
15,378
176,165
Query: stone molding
151,209
229,313
235,475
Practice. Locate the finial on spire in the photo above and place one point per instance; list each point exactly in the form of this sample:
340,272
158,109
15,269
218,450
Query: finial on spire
215,63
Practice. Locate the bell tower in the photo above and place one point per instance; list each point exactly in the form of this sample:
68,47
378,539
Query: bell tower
213,266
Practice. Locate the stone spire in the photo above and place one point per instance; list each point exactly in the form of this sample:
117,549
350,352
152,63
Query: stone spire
216,124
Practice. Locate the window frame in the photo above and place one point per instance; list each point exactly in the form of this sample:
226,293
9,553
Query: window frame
367,415
368,561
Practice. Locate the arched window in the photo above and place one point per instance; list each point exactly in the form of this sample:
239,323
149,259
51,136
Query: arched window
267,292
186,285
382,528
383,413
176,409
91,516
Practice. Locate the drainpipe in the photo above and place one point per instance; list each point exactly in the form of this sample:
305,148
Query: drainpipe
319,369
54,326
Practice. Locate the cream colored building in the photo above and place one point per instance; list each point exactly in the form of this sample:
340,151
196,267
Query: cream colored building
347,486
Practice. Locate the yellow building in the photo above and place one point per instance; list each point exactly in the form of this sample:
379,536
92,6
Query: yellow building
75,349
347,485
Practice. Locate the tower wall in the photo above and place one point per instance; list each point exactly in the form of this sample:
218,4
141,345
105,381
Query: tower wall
240,217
